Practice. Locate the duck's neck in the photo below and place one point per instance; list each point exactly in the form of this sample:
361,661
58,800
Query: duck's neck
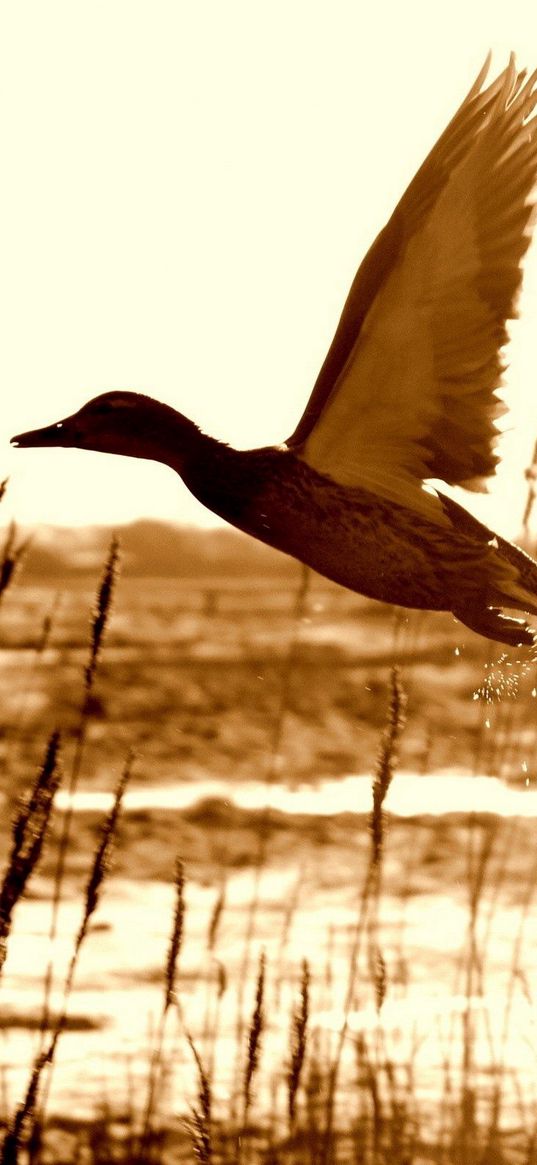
228,481
208,467
174,440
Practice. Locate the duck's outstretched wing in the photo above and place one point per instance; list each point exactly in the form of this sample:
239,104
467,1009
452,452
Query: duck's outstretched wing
408,390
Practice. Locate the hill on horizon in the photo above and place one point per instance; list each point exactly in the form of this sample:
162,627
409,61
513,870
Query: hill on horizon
151,547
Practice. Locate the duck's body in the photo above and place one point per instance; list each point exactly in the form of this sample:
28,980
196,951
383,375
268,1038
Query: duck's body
346,534
355,538
407,393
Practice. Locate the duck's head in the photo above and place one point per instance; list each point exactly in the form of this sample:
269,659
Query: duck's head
115,422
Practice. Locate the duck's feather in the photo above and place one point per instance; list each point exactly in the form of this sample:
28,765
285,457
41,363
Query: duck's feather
408,390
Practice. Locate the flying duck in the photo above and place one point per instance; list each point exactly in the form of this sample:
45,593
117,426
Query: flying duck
407,394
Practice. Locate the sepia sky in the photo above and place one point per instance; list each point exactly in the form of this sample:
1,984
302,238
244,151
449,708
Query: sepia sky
187,191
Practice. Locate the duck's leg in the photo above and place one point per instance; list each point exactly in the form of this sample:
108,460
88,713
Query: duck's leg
490,622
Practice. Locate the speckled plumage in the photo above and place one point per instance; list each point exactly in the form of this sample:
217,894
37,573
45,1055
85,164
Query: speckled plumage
347,534
357,539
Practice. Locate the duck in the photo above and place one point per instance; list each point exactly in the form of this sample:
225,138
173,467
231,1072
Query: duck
408,398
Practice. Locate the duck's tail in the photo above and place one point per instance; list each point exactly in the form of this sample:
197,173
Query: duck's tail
493,624
512,584
525,585
519,591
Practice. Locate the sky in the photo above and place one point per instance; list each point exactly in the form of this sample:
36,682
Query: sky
188,189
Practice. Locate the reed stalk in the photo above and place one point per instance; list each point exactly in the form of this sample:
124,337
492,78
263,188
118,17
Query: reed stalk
101,615
313,1089
299,1032
27,682
217,975
12,555
253,1049
199,1124
514,978
479,855
29,829
531,477
290,907
26,1111
263,830
99,622
382,779
170,979
221,983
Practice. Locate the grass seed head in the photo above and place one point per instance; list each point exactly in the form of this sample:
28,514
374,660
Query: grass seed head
215,918
199,1124
299,1027
221,979
102,610
176,935
29,829
255,1032
12,555
379,978
387,760
101,858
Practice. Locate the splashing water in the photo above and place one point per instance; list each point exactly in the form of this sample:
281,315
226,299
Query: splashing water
503,676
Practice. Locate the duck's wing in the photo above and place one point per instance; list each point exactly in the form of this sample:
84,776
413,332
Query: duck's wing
408,390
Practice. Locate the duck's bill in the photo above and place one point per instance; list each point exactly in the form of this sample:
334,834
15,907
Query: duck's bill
41,438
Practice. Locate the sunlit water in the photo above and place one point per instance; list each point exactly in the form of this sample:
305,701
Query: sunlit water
119,980
408,796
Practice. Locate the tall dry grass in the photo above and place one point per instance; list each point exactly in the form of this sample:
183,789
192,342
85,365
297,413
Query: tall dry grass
99,620
29,830
199,1123
367,915
147,1135
13,552
314,1114
27,1112
298,1042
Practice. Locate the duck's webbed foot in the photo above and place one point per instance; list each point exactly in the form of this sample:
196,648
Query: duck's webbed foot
490,622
